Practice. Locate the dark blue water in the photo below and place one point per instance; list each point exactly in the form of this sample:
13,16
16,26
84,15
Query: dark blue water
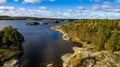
42,45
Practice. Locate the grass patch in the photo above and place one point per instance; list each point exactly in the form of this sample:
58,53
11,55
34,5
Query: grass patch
6,54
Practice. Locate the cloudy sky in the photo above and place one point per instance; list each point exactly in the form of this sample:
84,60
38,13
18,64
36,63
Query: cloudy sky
77,9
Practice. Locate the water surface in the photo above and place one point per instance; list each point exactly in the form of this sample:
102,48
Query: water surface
42,45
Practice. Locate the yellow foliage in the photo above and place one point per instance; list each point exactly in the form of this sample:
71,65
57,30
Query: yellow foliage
108,47
75,61
118,24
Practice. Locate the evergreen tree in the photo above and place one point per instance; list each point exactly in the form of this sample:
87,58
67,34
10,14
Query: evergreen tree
11,37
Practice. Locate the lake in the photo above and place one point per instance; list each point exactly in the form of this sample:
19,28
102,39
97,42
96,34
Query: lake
42,46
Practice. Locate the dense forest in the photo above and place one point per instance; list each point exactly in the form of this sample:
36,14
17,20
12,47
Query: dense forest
103,34
10,43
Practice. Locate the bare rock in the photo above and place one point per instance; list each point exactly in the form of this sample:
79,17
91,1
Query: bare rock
11,63
50,65
89,58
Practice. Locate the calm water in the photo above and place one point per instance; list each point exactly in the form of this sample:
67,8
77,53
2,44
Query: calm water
42,45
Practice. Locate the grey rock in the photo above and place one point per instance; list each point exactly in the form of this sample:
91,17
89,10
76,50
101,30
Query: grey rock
90,58
11,63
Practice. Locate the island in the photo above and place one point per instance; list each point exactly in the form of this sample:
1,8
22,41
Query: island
42,23
10,46
99,40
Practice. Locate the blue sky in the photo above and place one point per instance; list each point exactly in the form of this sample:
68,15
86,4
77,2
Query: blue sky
77,9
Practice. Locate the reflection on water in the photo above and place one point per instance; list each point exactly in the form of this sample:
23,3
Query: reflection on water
42,45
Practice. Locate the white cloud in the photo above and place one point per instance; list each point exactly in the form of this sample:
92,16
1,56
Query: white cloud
102,7
80,9
86,11
22,9
117,10
32,1
70,10
1,12
43,8
95,7
2,1
7,8
105,7
107,3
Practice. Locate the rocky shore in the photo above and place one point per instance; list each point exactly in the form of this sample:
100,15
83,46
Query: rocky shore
11,63
83,57
87,57
10,47
64,34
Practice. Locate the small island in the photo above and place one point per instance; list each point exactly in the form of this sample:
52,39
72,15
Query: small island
99,40
10,46
42,23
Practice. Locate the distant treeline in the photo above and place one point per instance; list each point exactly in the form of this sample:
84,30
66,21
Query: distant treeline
19,18
32,18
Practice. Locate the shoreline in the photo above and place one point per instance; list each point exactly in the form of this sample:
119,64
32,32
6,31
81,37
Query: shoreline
89,58
12,61
64,34
86,56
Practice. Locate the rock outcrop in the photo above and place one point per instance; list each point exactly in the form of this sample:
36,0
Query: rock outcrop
11,63
84,57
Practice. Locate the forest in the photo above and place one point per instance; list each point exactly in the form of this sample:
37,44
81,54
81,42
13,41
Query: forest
10,43
103,34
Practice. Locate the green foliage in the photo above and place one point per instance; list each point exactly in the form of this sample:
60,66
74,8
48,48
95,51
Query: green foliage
10,43
11,36
112,64
102,33
113,41
8,53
